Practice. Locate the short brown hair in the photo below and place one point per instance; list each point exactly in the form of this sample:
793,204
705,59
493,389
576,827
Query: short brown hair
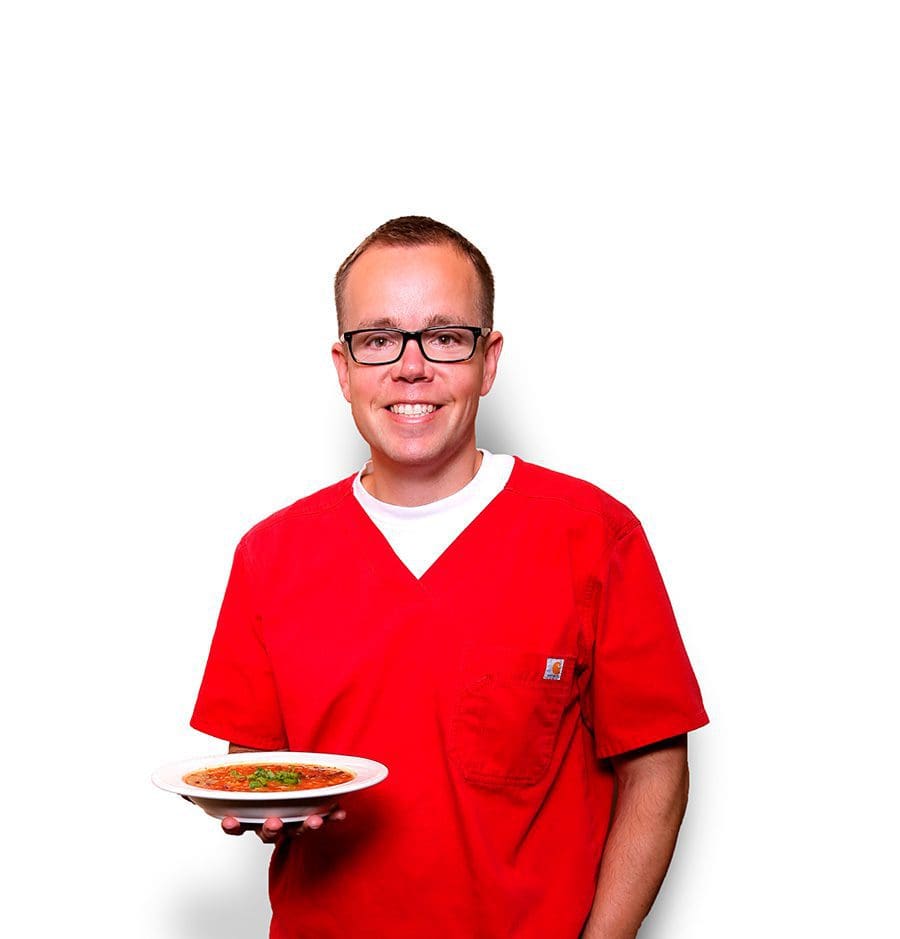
409,231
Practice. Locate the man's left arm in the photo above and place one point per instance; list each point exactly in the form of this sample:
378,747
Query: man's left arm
652,792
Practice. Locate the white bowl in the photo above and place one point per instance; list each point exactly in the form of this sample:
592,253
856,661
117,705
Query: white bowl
255,807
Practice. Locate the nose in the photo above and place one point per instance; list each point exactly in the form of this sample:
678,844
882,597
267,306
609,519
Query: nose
412,365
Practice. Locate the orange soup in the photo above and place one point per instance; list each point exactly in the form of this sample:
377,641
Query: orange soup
267,777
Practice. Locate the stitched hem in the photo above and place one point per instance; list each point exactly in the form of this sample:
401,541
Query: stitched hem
661,731
240,738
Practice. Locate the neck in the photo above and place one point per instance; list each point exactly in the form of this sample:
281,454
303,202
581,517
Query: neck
401,484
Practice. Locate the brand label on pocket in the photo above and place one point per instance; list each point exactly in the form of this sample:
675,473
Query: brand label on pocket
553,671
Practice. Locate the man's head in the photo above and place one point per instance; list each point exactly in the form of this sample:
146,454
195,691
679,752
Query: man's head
410,231
414,402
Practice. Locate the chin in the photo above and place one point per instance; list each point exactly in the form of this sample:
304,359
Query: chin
409,453
418,456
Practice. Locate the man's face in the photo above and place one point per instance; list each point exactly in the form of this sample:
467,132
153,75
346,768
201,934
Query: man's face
412,288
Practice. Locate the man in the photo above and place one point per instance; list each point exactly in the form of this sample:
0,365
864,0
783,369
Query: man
496,633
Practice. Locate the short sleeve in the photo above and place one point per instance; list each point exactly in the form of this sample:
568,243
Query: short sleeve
238,700
644,689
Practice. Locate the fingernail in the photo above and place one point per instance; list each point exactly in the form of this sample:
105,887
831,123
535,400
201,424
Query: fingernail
314,822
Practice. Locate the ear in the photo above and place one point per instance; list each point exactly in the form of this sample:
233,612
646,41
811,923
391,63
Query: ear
342,366
493,346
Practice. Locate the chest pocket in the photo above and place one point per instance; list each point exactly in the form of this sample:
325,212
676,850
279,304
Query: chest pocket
509,712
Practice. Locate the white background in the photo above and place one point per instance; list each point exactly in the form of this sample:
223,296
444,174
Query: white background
692,214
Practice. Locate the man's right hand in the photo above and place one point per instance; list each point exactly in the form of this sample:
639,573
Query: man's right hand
274,830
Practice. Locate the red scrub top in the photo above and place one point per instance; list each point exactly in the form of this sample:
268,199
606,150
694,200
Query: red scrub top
539,643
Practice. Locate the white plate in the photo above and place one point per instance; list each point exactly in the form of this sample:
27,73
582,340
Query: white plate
254,807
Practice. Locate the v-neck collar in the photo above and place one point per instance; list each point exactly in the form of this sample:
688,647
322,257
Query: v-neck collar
382,547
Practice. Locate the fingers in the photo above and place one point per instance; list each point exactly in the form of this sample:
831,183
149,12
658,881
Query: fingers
273,829
334,814
231,826
269,832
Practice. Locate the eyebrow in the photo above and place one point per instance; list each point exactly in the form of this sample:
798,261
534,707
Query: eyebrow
388,322
382,322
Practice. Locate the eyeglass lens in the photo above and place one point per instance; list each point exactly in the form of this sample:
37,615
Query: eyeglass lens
440,344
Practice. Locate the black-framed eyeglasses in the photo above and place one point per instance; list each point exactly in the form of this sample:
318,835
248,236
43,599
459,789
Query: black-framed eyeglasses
437,343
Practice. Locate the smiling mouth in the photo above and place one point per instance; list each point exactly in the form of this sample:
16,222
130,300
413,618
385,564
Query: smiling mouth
412,410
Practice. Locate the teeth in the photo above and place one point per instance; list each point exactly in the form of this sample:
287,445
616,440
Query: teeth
412,410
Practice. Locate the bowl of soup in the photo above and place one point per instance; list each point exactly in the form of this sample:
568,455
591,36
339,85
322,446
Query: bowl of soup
257,785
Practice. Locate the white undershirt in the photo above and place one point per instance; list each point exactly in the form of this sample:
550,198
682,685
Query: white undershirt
419,534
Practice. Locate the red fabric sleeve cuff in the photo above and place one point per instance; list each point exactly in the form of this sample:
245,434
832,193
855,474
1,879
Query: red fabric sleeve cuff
237,735
660,730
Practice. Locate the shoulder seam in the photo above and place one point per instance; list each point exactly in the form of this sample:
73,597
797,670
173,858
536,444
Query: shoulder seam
631,523
293,509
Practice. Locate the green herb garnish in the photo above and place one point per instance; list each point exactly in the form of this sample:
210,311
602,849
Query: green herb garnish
261,777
